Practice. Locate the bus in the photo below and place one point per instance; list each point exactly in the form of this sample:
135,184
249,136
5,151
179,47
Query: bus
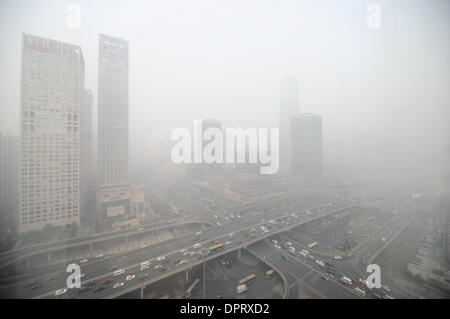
191,288
312,245
247,280
216,248
359,291
269,274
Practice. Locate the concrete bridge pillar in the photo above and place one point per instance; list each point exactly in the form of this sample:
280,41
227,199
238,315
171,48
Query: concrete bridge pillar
142,292
187,275
239,254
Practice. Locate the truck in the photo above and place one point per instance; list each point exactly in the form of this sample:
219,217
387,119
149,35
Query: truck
241,289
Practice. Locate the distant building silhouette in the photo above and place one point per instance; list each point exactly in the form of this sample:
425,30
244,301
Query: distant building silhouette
289,107
306,139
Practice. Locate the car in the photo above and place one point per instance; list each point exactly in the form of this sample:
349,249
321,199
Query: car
183,261
284,257
160,258
130,277
385,288
60,291
325,277
158,267
118,285
140,229
99,256
227,243
98,289
113,268
337,257
90,283
144,275
277,246
83,261
362,282
107,281
35,287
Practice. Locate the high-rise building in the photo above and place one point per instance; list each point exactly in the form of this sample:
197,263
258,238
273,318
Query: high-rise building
9,176
289,107
113,193
52,81
87,181
9,171
306,145
112,110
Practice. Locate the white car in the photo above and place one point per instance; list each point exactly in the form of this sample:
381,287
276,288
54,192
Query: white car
277,246
158,267
83,261
160,258
228,243
337,257
60,291
100,256
183,261
118,285
130,277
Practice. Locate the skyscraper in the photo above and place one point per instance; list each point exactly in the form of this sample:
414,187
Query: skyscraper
113,193
52,81
307,145
113,110
9,170
86,157
289,107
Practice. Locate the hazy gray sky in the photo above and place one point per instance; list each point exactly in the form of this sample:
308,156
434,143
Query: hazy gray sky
225,60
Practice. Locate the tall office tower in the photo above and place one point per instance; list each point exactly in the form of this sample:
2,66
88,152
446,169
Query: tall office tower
52,82
113,110
307,145
113,193
9,174
86,158
289,107
204,168
1,184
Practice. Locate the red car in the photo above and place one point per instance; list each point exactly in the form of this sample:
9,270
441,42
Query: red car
107,281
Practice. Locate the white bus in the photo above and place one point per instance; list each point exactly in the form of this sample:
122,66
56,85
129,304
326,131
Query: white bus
145,265
119,272
359,291
312,245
